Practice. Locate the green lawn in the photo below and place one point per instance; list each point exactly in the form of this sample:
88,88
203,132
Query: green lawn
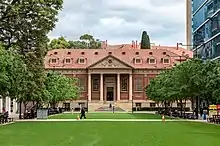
82,133
109,116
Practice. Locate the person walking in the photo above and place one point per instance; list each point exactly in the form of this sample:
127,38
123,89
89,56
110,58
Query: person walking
83,113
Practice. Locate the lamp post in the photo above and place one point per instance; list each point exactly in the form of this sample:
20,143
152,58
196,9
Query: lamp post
132,103
181,44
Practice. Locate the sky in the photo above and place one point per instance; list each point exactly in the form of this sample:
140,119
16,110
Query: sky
121,21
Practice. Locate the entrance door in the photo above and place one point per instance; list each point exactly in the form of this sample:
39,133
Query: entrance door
110,94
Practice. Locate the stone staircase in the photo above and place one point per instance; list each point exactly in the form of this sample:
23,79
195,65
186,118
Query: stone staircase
104,106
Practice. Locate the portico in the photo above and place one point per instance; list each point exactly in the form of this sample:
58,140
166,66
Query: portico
110,87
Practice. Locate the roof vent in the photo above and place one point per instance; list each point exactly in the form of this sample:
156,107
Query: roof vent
137,53
164,53
55,53
123,53
82,53
96,53
109,53
150,53
69,53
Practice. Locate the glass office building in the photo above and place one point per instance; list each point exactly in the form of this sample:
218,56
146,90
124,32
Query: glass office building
206,28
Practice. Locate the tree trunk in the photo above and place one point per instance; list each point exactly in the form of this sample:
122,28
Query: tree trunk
20,109
181,108
197,107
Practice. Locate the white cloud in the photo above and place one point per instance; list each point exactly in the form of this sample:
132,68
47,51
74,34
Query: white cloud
120,21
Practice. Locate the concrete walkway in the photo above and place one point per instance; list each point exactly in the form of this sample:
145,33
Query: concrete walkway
107,120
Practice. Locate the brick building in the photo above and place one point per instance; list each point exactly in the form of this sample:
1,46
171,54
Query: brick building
116,74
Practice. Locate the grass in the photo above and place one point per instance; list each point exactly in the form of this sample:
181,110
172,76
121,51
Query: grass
109,116
84,133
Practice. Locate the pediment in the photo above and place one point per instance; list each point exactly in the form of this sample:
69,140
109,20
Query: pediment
110,62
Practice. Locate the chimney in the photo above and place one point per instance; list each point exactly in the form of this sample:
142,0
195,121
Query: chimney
106,43
133,42
136,44
132,45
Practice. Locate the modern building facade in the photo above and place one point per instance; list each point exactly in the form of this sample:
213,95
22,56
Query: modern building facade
116,74
206,28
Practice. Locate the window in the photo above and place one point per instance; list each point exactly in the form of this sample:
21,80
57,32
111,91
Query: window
152,104
81,61
81,84
151,60
124,84
166,60
68,60
53,60
138,61
95,84
138,84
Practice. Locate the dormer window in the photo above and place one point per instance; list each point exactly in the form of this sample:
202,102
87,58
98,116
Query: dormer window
166,60
68,60
81,61
138,60
53,60
151,60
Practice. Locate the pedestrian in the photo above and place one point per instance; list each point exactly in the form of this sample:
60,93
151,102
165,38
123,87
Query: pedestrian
83,113
72,111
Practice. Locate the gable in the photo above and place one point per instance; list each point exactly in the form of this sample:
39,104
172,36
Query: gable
110,62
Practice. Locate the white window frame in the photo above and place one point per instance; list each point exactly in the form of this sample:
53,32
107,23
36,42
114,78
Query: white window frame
168,60
137,62
155,62
68,62
83,59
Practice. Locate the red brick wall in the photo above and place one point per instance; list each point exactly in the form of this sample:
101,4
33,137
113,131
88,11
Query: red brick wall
138,95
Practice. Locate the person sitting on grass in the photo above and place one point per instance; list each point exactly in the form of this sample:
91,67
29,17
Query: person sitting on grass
83,113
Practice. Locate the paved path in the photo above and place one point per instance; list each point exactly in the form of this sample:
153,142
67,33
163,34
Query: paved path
107,120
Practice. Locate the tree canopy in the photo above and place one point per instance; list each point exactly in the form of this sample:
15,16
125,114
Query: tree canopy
85,41
187,81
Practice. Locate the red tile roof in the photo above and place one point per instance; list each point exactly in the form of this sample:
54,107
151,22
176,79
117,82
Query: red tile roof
125,53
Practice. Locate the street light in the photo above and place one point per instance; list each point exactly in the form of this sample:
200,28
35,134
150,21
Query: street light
181,44
132,102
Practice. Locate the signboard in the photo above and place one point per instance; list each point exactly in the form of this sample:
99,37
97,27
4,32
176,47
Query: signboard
212,110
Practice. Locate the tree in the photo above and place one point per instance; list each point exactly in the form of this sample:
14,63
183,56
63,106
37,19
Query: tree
85,41
60,43
192,80
60,88
145,41
24,28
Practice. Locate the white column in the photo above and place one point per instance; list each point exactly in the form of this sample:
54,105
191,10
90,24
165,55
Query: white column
1,105
130,87
118,87
89,87
8,104
14,106
101,87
